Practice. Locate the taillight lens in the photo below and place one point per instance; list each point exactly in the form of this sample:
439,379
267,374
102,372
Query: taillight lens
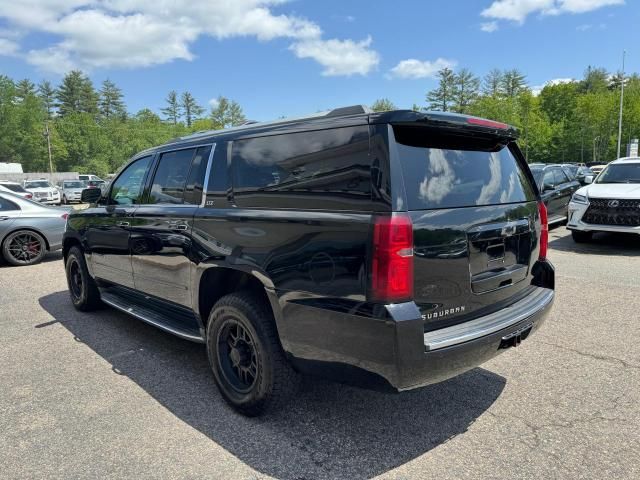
65,215
544,231
28,196
392,261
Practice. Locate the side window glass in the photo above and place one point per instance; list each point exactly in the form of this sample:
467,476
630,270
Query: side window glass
193,192
170,179
127,188
548,179
328,169
8,205
561,176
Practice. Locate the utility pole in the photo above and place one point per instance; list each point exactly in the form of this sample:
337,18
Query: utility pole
595,141
624,54
47,134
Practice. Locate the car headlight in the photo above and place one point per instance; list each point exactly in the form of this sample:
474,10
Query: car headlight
579,198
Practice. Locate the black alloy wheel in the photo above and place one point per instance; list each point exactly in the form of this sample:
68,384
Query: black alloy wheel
24,247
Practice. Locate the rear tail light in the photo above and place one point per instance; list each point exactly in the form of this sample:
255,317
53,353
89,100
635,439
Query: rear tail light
392,260
28,195
65,215
544,231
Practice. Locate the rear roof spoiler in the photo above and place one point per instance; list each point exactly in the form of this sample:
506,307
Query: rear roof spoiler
447,120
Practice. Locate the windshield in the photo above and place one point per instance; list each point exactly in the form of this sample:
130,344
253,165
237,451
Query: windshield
620,173
77,184
39,184
14,187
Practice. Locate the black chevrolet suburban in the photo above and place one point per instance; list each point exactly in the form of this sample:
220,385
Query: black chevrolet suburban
389,250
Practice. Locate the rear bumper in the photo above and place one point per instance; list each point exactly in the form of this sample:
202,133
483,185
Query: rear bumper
394,351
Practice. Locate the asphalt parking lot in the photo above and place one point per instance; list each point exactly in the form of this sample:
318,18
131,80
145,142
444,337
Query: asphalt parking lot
102,395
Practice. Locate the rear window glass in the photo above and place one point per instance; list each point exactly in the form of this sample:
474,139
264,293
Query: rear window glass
14,187
448,171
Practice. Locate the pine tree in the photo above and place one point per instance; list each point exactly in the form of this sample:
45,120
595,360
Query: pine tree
76,94
595,80
466,90
191,108
383,105
47,95
111,104
25,89
513,83
226,113
173,110
492,83
442,97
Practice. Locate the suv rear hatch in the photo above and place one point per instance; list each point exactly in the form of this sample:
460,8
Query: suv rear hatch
475,218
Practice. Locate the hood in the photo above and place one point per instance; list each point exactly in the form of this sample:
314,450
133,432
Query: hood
630,191
41,189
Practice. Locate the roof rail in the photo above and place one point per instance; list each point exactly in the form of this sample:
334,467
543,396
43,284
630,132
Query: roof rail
352,110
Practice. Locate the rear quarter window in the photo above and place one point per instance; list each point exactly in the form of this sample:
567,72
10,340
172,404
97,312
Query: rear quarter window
448,171
326,169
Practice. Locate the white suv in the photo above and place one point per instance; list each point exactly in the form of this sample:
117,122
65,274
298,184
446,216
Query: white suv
610,204
43,192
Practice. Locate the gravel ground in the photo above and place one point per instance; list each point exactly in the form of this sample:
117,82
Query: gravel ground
102,395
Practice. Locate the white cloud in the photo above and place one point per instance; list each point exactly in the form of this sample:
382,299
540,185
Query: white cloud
414,69
518,10
139,33
8,48
339,57
489,27
535,90
214,102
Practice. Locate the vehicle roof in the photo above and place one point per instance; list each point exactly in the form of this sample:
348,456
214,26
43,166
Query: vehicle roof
627,160
342,117
8,182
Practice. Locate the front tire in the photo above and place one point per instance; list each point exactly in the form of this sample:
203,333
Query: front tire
244,352
24,247
581,237
83,290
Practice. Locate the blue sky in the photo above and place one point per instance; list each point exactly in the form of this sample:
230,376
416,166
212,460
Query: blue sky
279,57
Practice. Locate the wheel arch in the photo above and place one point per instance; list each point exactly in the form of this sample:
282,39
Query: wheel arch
215,282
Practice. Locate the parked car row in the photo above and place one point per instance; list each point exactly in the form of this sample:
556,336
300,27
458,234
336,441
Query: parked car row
41,190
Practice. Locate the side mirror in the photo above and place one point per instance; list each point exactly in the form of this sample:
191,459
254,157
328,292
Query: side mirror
90,195
588,179
546,187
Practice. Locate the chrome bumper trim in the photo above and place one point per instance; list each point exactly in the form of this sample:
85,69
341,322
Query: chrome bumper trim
463,332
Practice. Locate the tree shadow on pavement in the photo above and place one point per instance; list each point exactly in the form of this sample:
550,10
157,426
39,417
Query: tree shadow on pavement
328,431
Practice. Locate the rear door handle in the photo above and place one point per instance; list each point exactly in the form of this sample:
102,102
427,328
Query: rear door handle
4,218
123,224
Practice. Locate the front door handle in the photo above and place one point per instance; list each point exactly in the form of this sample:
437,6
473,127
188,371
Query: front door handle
123,224
4,218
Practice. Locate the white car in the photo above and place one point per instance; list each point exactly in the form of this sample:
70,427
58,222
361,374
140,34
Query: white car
43,192
610,204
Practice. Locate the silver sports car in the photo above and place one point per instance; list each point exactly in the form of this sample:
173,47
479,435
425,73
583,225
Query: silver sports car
29,229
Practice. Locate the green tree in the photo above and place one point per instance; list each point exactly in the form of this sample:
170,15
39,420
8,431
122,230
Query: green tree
190,107
513,83
442,97
492,83
173,110
226,113
466,89
24,89
595,80
111,103
47,94
383,105
76,94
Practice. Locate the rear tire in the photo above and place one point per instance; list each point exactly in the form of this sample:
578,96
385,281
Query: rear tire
248,363
83,290
581,237
24,247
